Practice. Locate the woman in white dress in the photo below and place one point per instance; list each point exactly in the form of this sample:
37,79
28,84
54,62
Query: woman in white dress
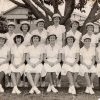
17,61
70,58
87,60
52,62
4,59
34,63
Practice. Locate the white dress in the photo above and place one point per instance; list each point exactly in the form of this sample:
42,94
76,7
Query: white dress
87,55
52,55
34,53
43,35
70,54
18,53
3,56
98,64
58,31
77,35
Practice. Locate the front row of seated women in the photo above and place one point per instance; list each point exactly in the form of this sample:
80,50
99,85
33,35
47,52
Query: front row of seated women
51,54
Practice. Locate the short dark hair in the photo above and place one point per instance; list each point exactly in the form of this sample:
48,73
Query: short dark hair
75,22
35,36
69,37
87,38
55,17
18,36
50,36
5,39
27,25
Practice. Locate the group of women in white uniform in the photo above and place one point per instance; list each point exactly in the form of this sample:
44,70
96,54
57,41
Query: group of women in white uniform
53,51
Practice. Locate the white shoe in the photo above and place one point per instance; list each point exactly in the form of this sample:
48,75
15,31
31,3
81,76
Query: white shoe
13,91
54,89
87,90
17,90
1,89
31,91
36,90
49,88
91,90
59,83
73,91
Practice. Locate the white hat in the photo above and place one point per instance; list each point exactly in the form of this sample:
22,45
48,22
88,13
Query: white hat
11,23
25,22
56,15
3,36
90,23
69,35
39,20
84,37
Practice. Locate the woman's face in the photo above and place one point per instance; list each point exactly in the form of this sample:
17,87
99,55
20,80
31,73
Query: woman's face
40,25
18,40
11,28
56,20
75,25
87,42
90,28
2,41
25,28
52,39
35,40
70,41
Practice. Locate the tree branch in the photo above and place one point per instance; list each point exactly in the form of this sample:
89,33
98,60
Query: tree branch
18,3
47,11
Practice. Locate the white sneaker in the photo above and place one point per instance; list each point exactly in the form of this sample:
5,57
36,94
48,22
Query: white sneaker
49,88
17,90
13,91
91,90
54,89
87,90
73,91
31,91
36,90
69,90
1,89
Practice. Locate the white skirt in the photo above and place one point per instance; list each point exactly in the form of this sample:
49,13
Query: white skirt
84,69
20,69
98,70
30,69
66,68
5,68
56,68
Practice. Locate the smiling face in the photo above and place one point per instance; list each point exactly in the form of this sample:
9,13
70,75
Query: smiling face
90,28
70,41
18,40
11,28
75,25
87,42
56,20
2,41
52,39
40,25
25,28
35,40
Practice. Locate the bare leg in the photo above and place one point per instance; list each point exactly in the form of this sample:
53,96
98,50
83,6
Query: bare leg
92,77
13,77
18,76
36,78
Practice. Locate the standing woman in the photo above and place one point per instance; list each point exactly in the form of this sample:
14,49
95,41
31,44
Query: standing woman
87,60
52,62
34,62
4,59
57,29
25,28
17,61
74,32
70,58
41,31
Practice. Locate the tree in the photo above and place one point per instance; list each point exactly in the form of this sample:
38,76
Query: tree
69,8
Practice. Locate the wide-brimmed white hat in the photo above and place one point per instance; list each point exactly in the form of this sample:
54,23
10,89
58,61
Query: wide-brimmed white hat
56,15
90,23
11,23
85,37
39,20
25,22
3,36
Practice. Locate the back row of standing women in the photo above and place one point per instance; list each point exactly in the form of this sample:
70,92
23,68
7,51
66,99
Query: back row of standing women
43,59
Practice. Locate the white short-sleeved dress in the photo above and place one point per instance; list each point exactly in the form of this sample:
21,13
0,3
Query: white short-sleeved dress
58,31
35,53
70,54
98,64
18,53
10,41
52,56
3,56
77,35
87,55
93,37
42,34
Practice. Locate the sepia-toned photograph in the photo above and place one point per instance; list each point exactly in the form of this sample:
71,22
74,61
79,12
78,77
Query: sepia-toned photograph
49,49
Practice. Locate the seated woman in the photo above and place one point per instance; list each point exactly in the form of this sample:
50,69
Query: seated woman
70,58
17,61
4,59
87,60
34,60
52,61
